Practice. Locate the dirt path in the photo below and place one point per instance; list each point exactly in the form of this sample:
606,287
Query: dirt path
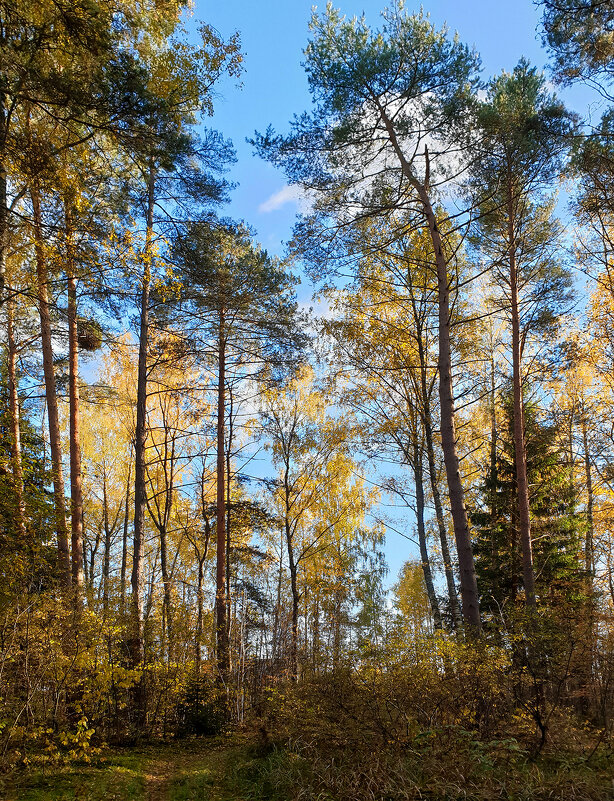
198,772
157,776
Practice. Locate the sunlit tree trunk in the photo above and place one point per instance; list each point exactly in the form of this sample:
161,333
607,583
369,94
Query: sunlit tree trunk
427,424
124,560
200,595
223,657
468,582
520,454
76,491
589,548
4,211
50,391
464,550
14,415
228,521
140,437
424,556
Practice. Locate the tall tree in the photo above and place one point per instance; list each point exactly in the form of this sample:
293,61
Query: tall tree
237,305
391,117
394,361
181,79
525,134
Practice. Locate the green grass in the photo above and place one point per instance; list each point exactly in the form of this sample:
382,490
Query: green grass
194,771
117,778
218,769
204,774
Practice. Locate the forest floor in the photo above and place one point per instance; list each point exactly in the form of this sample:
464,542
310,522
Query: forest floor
190,771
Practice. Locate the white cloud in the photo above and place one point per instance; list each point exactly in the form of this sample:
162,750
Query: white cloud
287,194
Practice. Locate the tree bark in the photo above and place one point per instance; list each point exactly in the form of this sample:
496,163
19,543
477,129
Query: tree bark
520,454
276,644
4,211
50,392
468,581
222,654
161,515
200,595
106,559
228,521
589,549
424,556
76,490
427,424
14,417
124,562
293,567
140,437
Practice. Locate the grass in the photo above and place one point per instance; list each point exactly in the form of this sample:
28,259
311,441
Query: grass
235,769
117,778
191,771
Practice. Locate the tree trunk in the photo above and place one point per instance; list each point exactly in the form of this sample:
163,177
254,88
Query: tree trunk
200,595
14,416
76,491
166,594
468,582
161,517
276,645
520,454
424,557
222,654
106,560
124,562
315,640
50,392
4,211
295,601
140,437
228,522
493,446
589,549
135,642
427,424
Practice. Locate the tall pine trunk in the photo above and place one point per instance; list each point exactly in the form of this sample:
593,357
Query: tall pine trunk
4,210
50,391
222,650
14,416
589,548
140,437
427,424
76,490
468,581
520,453
200,595
124,560
424,556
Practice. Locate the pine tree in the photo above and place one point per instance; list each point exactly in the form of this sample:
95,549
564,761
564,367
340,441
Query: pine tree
556,526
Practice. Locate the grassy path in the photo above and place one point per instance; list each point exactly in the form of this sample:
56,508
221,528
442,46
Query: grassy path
195,771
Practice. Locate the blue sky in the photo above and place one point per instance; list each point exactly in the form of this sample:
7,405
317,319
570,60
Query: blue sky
274,85
274,88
